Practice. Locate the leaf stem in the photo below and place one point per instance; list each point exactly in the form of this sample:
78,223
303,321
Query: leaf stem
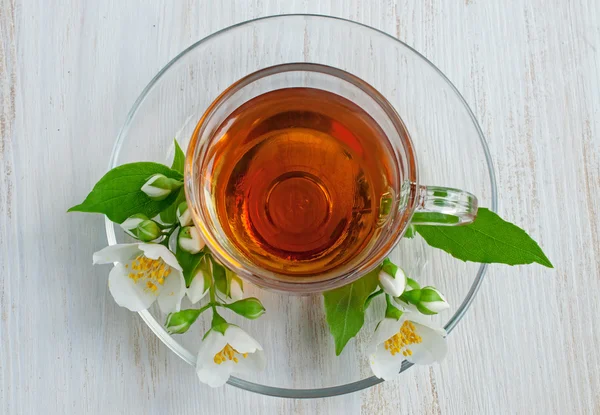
203,309
213,300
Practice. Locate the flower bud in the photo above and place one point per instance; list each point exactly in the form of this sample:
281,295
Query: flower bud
148,230
130,224
184,216
250,308
432,301
236,289
411,297
189,240
392,279
181,321
199,286
412,292
159,187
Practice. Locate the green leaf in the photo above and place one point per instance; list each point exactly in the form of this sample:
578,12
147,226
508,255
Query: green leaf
489,239
220,277
118,194
169,215
345,308
178,159
189,263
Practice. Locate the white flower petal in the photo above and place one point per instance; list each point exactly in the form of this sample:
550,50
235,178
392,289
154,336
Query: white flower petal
131,223
211,345
386,329
393,286
186,218
436,306
384,365
194,243
155,251
207,370
198,289
126,292
406,307
121,253
240,340
418,318
235,291
432,349
214,375
253,362
195,234
171,293
154,191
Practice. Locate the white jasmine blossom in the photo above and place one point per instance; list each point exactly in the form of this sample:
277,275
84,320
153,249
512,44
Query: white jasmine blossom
410,338
143,273
227,350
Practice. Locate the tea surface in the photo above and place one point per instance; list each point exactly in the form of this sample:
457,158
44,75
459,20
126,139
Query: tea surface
298,175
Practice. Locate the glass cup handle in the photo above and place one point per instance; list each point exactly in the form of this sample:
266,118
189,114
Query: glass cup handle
444,206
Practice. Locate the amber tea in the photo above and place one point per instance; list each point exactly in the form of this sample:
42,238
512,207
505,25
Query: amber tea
298,178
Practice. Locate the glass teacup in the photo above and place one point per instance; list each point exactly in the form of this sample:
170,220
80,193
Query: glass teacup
405,201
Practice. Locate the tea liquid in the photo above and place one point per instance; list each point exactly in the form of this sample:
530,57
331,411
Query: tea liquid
298,176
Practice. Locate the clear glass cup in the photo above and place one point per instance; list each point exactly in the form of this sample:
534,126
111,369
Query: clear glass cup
406,200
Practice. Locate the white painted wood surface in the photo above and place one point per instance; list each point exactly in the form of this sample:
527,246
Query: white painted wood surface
69,73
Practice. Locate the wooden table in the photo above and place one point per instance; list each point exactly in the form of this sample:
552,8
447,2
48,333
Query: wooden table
69,73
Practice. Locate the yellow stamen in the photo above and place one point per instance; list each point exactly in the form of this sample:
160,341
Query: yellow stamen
406,336
153,270
228,353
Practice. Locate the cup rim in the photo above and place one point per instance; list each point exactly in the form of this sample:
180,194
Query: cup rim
253,274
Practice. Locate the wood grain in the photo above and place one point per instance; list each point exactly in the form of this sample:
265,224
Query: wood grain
68,76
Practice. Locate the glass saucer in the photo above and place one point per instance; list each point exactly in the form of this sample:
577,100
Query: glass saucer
449,146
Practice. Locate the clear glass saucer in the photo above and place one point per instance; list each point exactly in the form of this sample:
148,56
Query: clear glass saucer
449,145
